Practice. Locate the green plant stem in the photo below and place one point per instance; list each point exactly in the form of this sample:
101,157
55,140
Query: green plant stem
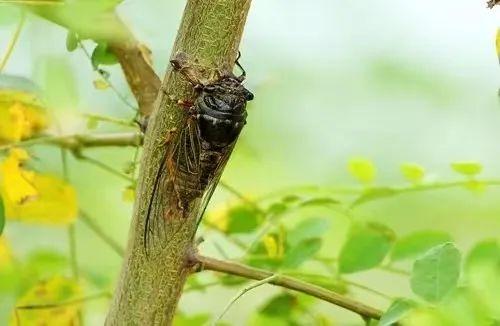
64,303
119,122
106,168
241,293
92,225
12,42
78,142
289,283
369,289
106,78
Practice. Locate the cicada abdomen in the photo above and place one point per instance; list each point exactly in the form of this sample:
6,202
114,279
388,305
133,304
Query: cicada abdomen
197,154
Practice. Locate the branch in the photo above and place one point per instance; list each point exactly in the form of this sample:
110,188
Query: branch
150,286
106,26
248,272
77,142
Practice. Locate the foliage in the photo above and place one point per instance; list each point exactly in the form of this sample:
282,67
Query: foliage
288,232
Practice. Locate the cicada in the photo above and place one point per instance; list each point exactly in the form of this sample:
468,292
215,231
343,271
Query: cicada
197,154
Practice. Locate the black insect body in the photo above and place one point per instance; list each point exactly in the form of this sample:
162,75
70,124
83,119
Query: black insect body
196,155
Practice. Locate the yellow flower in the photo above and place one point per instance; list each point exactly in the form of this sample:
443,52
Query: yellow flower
21,116
5,254
32,197
58,292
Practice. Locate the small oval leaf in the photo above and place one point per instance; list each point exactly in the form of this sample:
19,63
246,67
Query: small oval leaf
301,252
365,248
412,172
418,243
71,41
467,168
436,273
103,56
362,169
397,311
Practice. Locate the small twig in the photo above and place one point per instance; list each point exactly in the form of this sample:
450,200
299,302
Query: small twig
241,293
120,122
289,283
106,78
79,141
13,41
242,197
87,220
369,289
63,303
106,167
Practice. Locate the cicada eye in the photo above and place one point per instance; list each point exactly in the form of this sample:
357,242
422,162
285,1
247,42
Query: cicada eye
249,95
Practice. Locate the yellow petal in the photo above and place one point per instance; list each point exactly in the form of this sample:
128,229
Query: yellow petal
218,218
271,245
21,116
129,195
16,186
36,198
100,84
5,254
57,290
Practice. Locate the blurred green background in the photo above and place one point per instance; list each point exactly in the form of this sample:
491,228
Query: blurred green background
389,80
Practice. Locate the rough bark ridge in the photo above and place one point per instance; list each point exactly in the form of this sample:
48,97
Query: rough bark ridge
150,287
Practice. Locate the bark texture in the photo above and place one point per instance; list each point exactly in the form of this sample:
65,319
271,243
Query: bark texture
150,286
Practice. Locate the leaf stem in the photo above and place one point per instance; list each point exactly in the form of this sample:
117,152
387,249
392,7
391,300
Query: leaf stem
92,225
106,78
13,41
241,293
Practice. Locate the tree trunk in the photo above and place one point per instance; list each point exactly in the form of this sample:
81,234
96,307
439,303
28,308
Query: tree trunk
150,286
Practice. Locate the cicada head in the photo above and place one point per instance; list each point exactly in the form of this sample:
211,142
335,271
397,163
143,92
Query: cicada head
222,110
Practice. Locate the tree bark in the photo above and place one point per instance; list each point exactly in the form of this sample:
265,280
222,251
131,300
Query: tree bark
150,286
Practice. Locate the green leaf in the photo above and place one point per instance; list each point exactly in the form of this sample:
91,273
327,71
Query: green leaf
397,311
242,219
281,305
308,229
366,247
103,56
467,168
482,268
301,252
58,82
412,172
277,209
2,216
9,15
290,199
418,243
484,252
374,194
436,273
362,169
71,41
322,201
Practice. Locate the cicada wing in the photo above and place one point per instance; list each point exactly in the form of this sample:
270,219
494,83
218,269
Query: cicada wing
214,181
180,165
